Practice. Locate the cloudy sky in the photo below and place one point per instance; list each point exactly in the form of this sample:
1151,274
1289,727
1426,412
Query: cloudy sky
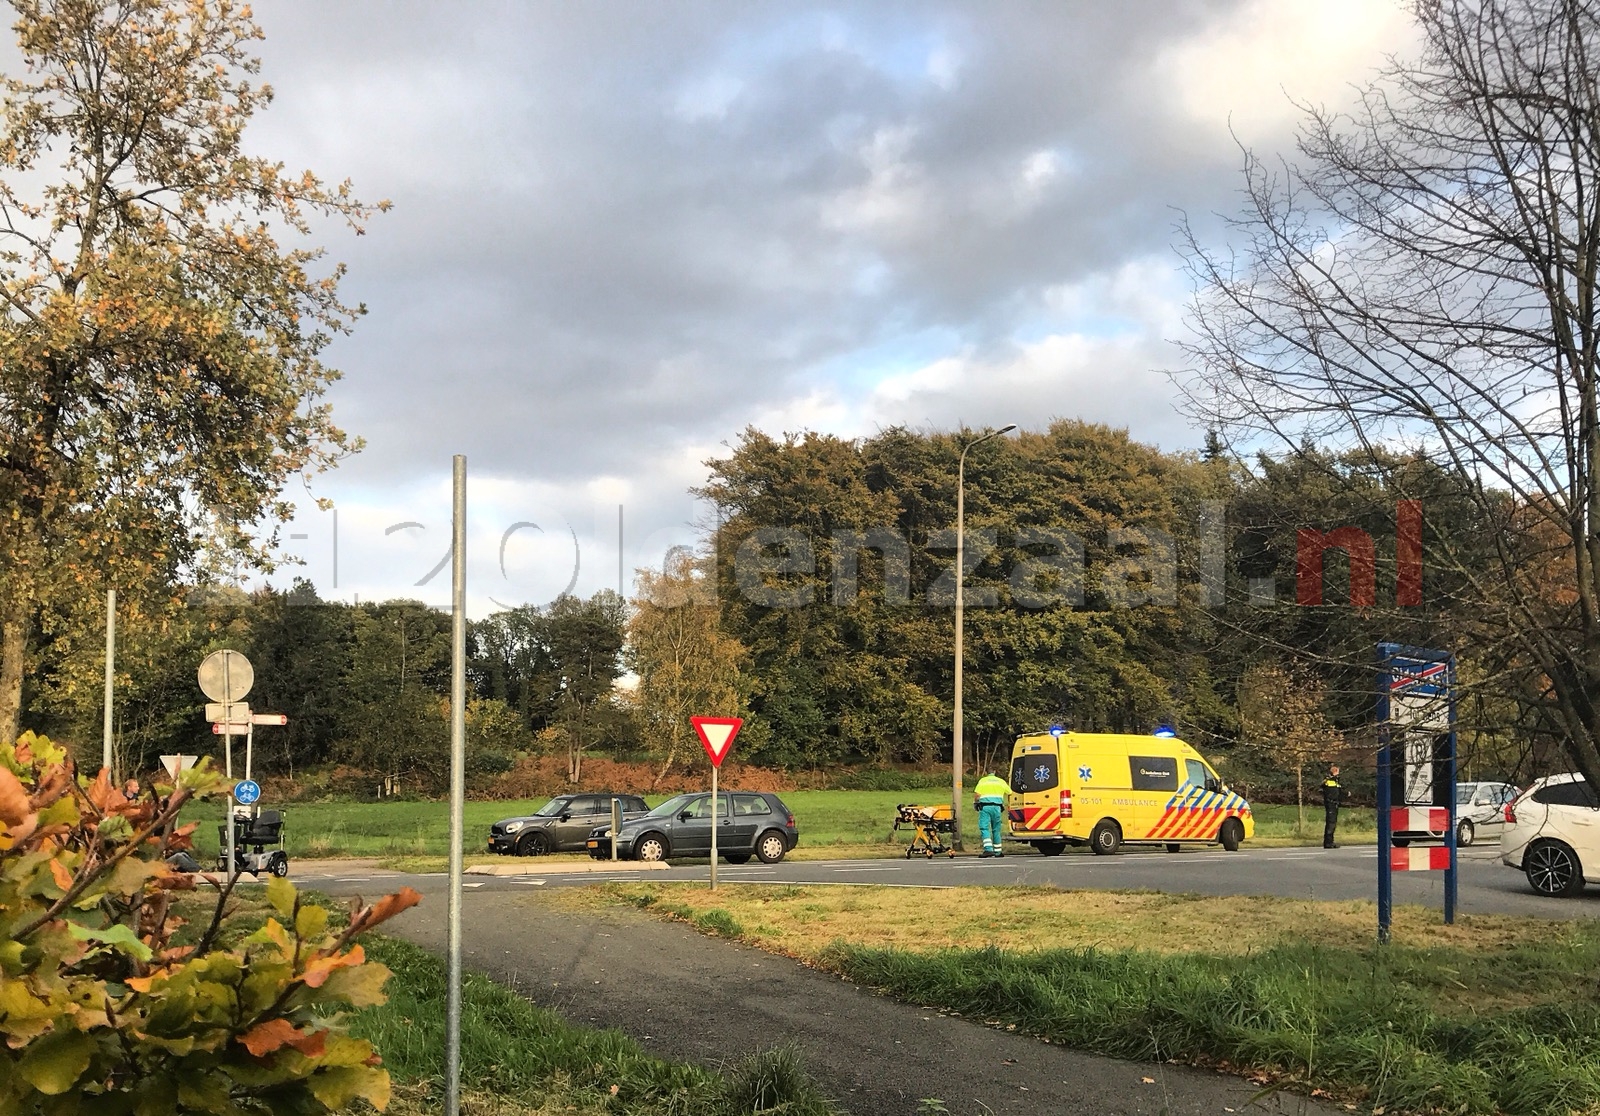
623,232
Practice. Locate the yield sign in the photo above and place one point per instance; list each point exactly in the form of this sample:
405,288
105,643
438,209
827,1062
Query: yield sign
717,734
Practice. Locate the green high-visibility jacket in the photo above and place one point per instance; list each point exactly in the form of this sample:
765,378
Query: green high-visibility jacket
991,788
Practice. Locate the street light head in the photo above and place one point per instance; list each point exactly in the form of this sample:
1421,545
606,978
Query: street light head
1008,428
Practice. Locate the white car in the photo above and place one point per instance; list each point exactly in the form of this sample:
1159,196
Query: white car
1552,834
1480,810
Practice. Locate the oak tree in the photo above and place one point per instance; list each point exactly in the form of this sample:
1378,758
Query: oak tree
161,313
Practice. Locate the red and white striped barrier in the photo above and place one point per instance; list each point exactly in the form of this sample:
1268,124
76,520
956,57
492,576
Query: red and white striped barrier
1419,819
1430,858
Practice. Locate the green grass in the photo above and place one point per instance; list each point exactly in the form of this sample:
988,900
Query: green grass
1514,1030
518,1052
392,830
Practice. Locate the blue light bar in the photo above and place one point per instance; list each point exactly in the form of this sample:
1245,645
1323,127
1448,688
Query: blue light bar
1166,732
1056,730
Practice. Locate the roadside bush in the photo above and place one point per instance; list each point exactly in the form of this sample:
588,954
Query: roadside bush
102,1009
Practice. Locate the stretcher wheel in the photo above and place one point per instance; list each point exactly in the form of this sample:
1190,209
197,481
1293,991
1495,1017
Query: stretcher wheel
909,852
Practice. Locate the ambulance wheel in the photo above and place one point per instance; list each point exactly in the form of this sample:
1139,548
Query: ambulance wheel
1105,838
1173,846
278,864
1232,834
1051,848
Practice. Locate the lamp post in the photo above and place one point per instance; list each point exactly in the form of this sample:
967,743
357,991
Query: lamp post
961,577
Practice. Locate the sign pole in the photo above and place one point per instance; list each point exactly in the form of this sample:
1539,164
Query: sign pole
111,670
1450,837
227,749
716,736
458,746
249,750
714,769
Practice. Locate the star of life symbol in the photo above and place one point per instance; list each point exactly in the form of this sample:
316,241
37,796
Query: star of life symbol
1041,773
1085,773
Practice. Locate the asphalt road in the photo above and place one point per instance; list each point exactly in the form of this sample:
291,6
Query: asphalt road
1485,887
688,997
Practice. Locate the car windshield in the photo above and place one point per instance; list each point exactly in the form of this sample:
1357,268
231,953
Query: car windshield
552,808
1464,793
671,806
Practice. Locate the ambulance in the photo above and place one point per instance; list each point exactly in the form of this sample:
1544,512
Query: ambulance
1106,790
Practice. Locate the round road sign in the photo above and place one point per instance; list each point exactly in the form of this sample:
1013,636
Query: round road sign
246,792
226,676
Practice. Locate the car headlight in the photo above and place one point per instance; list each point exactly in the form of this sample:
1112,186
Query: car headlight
512,827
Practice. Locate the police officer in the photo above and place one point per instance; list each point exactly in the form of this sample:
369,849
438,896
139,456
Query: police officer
989,798
1332,796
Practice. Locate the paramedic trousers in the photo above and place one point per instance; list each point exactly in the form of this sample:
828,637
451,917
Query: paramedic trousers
989,815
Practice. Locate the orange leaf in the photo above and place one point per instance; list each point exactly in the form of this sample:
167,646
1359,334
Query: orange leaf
264,1038
321,968
14,807
63,877
389,906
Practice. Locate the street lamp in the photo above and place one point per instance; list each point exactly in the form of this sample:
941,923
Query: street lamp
961,577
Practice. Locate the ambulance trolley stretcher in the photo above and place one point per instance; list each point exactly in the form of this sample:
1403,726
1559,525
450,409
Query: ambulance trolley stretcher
930,824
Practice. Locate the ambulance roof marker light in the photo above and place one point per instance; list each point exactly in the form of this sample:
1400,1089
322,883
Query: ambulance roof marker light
1166,732
1056,730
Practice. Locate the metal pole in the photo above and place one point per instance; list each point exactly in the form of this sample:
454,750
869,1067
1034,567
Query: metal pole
458,770
714,770
249,749
111,670
616,824
1385,757
227,750
955,743
621,581
1450,877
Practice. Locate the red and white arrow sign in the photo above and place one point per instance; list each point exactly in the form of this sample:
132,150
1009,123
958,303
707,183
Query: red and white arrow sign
716,734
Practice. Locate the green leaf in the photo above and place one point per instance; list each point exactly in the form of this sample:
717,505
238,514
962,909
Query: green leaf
52,1064
340,1085
281,893
119,937
310,922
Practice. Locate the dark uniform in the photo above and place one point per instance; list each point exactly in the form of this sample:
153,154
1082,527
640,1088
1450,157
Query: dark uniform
1332,796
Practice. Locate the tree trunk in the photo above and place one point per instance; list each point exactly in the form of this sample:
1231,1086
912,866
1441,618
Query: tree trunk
13,650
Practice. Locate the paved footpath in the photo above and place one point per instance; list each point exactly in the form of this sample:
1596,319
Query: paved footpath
688,997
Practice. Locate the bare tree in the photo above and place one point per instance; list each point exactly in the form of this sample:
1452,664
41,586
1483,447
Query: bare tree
1425,276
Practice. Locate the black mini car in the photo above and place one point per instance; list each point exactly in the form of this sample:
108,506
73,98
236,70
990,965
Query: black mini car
560,825
748,824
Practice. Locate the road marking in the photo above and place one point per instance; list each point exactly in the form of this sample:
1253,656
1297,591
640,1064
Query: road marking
531,883
872,868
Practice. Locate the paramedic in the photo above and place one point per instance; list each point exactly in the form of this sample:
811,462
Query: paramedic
989,798
1332,796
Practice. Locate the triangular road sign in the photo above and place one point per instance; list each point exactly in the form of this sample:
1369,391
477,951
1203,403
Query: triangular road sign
716,734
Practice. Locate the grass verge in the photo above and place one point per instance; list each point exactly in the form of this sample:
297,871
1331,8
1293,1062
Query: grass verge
1493,1015
518,1059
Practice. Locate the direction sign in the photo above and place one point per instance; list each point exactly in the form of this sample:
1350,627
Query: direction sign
246,792
226,676
235,712
716,735
269,719
230,728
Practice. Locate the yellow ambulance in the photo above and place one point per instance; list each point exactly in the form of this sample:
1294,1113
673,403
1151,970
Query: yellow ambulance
1106,790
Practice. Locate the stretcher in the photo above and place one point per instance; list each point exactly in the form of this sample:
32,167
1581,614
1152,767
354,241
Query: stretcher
930,824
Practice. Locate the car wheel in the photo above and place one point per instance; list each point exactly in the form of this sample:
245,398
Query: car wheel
737,858
1232,834
1464,833
771,846
533,844
1106,837
1553,869
1400,842
652,846
1051,848
278,864
1173,846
